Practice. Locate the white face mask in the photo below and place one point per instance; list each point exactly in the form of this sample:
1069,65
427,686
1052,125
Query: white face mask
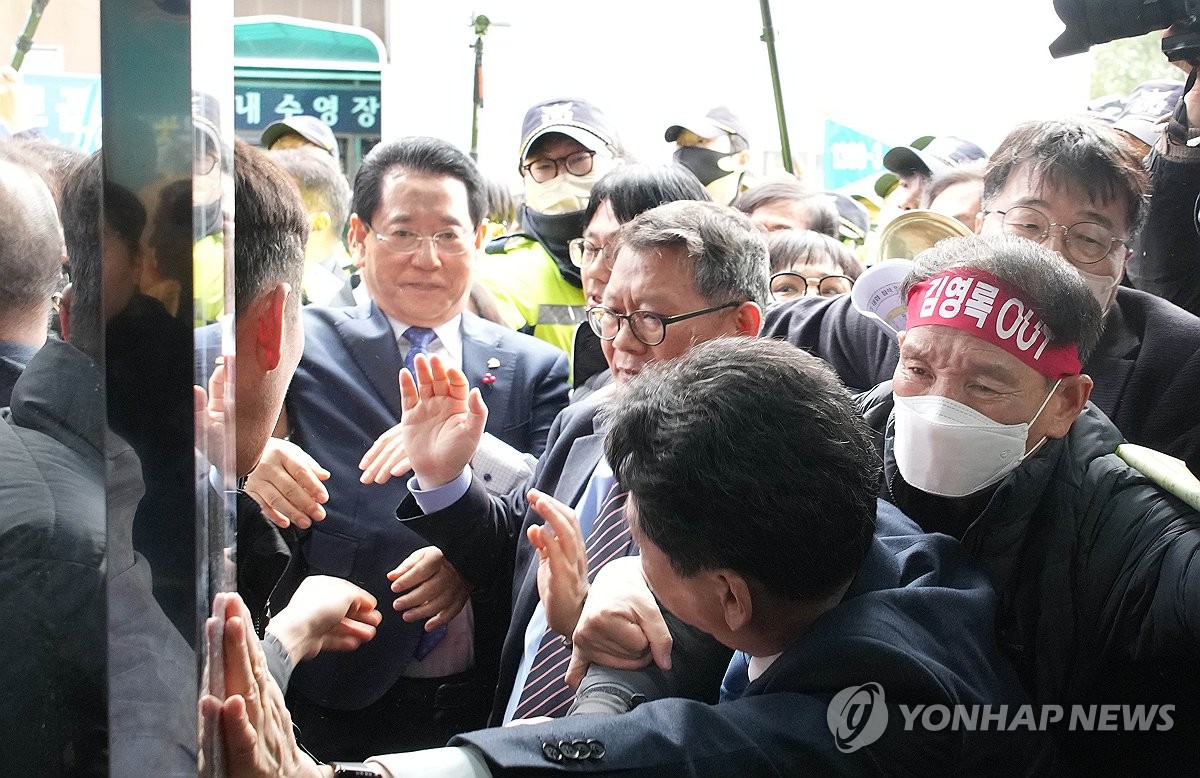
565,193
951,450
1103,288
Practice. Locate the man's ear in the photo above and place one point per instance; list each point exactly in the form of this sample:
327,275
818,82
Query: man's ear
356,239
734,596
1066,405
267,318
480,234
979,217
64,311
749,319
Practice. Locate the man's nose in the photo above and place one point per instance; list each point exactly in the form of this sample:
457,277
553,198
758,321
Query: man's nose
426,254
1056,238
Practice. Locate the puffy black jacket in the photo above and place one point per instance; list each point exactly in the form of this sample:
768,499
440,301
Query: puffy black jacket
1098,574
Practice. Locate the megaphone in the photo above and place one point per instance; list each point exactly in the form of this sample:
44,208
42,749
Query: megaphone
876,295
912,232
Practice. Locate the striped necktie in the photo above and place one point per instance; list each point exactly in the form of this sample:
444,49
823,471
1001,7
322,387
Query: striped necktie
546,692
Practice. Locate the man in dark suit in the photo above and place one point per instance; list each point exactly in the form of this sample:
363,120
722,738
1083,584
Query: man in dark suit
769,536
685,273
1058,183
418,207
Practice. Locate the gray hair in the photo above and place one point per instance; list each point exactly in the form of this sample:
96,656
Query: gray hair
1052,287
728,253
31,241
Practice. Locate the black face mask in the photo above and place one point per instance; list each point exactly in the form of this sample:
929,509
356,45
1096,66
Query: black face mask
702,162
554,232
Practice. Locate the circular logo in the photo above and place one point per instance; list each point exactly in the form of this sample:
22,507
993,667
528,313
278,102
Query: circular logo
857,716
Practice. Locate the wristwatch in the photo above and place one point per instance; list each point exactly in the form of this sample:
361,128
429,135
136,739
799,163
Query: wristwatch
354,770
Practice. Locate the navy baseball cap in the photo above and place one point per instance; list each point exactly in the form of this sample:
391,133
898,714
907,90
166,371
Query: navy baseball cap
572,117
1147,108
311,128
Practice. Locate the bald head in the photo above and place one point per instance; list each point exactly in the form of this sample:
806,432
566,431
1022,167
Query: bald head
31,247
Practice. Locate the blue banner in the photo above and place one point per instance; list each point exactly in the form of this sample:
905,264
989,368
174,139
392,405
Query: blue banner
66,109
850,155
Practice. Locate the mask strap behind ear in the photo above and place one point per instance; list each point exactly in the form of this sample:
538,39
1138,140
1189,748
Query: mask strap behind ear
1042,407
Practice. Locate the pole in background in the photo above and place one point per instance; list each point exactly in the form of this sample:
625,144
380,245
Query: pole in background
768,37
25,42
481,24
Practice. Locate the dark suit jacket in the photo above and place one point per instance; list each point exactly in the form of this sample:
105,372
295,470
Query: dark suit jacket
483,536
1146,367
917,621
344,395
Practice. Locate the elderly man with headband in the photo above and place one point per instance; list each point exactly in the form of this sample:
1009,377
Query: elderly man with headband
987,435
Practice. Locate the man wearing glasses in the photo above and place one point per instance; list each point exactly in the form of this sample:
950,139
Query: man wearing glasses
1077,188
685,273
417,209
567,145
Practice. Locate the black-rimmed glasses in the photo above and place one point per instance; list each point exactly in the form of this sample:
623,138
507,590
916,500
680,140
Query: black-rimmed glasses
648,327
788,286
578,163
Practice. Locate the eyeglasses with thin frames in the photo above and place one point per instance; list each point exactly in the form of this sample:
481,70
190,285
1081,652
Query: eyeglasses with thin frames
583,253
1084,242
447,243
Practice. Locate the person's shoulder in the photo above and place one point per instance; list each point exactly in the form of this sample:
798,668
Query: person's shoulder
481,329
328,315
803,309
511,253
1160,319
587,411
54,506
1109,492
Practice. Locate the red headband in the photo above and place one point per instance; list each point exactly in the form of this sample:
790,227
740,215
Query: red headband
982,305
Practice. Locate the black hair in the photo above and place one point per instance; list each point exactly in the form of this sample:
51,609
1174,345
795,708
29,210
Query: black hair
748,454
792,247
1074,153
270,227
632,189
822,213
422,155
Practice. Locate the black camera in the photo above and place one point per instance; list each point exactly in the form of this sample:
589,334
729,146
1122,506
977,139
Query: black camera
1099,21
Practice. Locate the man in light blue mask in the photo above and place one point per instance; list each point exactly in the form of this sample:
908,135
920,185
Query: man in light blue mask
987,435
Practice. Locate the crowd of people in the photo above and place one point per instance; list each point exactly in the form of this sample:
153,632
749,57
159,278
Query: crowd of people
616,479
